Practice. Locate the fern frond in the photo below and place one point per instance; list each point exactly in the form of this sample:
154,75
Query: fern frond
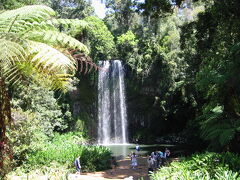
226,135
83,59
44,65
43,54
56,38
12,48
72,26
216,128
31,13
50,58
17,73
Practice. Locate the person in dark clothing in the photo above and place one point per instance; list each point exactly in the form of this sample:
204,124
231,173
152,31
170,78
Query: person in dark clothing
77,165
113,164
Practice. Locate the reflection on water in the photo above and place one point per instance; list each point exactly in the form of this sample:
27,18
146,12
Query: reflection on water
121,151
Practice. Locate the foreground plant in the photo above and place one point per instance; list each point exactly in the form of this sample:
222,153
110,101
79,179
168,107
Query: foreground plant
55,158
206,166
36,47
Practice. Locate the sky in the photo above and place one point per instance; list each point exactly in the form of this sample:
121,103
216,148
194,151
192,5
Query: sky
99,8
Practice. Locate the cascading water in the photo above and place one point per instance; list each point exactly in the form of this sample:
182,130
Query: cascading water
112,116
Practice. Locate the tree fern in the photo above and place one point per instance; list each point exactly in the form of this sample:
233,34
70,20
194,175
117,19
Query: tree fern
49,58
56,38
32,48
34,13
12,48
37,21
21,27
70,26
216,127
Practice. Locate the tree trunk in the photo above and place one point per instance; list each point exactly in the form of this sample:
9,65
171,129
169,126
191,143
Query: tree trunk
5,119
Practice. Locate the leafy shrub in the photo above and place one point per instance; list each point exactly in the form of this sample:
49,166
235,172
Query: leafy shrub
42,103
64,149
25,135
202,166
55,172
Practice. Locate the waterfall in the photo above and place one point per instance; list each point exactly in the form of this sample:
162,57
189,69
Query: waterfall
112,116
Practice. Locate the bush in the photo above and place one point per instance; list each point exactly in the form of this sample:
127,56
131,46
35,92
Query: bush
44,106
25,135
202,166
63,150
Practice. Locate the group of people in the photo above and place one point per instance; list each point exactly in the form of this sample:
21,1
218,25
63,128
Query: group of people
157,159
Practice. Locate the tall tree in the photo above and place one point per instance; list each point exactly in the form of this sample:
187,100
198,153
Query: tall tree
121,15
215,65
72,9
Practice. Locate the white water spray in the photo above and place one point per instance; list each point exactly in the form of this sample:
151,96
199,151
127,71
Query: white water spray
112,116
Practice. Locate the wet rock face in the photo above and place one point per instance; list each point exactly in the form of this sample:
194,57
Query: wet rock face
145,109
83,105
171,139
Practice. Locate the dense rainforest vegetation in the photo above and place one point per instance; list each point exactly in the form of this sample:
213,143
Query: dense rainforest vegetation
181,72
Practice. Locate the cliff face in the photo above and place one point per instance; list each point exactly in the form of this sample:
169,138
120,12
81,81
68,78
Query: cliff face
146,112
83,103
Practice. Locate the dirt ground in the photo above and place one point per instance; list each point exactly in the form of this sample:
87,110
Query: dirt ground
123,171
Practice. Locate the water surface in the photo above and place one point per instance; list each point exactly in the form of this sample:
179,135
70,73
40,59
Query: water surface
123,150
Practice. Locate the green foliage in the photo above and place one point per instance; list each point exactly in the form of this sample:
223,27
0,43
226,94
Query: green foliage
26,135
45,108
216,127
128,39
121,16
202,166
63,149
28,37
127,43
212,52
77,9
54,172
156,8
13,4
100,39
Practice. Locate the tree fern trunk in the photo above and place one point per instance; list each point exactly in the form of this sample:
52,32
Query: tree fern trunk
5,119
